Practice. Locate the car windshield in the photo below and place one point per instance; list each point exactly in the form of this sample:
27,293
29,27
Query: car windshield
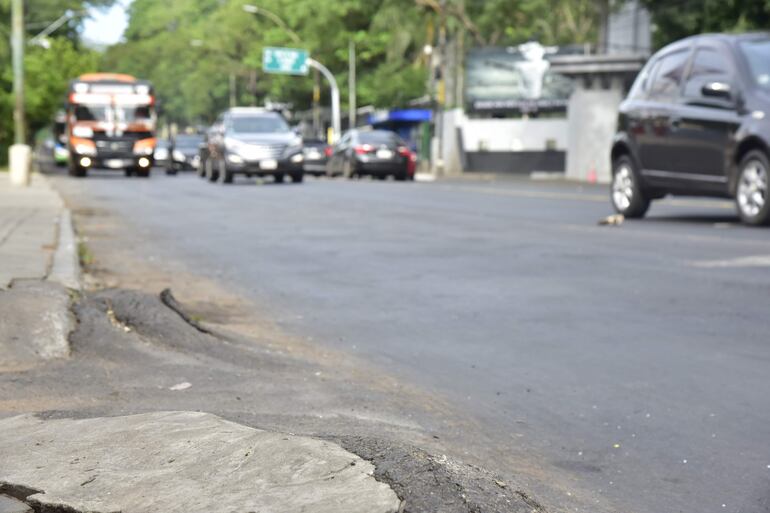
757,53
91,112
188,141
258,124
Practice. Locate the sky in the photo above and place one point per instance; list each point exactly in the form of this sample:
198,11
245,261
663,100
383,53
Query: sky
105,27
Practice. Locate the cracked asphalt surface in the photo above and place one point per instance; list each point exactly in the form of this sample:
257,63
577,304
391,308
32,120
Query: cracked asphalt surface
596,368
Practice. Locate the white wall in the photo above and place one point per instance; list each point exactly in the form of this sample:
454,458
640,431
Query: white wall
514,134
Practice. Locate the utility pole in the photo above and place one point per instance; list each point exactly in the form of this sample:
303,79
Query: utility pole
19,153
17,44
351,84
232,89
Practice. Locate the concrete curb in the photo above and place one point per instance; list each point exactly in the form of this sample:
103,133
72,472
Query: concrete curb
65,265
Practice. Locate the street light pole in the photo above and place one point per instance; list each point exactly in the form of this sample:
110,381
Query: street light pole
19,154
17,44
336,128
253,9
352,84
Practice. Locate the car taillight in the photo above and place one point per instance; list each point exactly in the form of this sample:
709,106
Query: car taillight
403,150
328,151
364,149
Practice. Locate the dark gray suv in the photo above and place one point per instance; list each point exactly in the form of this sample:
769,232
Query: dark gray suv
254,142
697,122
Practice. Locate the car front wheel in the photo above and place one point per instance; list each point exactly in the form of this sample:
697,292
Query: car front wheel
625,192
752,189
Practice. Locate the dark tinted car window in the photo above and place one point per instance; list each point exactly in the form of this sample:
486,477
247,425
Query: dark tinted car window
378,137
668,76
642,82
708,66
757,54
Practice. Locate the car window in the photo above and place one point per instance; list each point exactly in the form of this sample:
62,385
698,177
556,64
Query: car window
642,82
708,65
668,76
757,53
378,137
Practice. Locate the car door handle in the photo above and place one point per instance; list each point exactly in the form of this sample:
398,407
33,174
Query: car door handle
675,122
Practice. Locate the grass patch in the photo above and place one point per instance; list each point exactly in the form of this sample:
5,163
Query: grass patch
84,254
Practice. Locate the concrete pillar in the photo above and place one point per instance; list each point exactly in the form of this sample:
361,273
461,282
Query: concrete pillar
592,121
19,164
450,150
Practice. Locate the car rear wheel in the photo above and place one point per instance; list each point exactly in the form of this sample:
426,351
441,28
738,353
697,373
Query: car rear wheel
625,192
751,194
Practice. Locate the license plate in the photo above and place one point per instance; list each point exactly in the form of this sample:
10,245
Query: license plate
384,154
114,163
268,164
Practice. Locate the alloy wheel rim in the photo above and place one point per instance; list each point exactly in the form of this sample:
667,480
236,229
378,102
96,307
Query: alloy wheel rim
752,188
623,188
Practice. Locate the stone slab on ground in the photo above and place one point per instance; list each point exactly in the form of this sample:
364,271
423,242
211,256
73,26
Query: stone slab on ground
35,323
28,229
11,505
183,462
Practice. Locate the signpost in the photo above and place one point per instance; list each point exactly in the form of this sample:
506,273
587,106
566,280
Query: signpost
294,61
285,61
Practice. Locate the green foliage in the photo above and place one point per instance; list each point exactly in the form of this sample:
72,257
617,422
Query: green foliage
47,71
675,19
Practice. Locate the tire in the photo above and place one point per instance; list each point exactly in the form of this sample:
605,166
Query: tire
77,171
401,176
143,173
278,177
128,172
171,171
752,198
297,177
626,194
225,175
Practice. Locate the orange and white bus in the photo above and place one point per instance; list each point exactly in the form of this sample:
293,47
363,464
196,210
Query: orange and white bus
111,122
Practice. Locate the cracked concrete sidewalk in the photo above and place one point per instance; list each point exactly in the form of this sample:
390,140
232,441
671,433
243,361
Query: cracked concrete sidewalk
182,462
38,263
166,461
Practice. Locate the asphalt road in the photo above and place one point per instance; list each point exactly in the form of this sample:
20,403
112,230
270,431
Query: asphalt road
634,358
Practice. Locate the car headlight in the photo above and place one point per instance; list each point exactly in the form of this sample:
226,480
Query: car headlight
178,156
234,158
85,149
297,158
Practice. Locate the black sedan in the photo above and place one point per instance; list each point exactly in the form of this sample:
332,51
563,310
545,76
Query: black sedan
183,153
377,153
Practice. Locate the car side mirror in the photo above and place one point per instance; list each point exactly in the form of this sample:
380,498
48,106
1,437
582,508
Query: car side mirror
716,90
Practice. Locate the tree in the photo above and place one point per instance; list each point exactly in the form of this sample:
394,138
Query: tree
47,71
675,19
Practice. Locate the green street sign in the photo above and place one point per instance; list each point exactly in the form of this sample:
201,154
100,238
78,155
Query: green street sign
285,61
